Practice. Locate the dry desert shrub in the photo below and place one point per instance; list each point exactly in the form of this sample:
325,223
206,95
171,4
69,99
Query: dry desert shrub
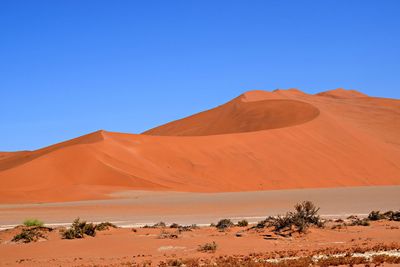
224,224
304,216
375,216
243,223
79,229
187,228
174,225
392,215
183,228
31,234
167,235
159,225
105,226
208,247
355,221
156,225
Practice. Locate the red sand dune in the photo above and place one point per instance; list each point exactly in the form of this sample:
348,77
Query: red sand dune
259,140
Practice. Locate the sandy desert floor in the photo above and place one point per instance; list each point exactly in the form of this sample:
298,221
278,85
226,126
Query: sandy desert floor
240,245
125,246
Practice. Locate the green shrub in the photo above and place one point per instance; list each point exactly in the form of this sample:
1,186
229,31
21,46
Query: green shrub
33,222
208,247
242,223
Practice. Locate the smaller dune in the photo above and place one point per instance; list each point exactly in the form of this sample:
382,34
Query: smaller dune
12,159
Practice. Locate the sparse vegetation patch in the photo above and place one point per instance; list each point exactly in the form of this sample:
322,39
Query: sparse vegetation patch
389,215
208,247
31,234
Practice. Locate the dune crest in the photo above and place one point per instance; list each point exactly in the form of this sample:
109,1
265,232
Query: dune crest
258,141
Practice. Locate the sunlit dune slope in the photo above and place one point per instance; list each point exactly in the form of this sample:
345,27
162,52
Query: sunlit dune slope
259,140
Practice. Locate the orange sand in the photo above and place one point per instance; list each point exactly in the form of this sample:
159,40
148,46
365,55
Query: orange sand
258,141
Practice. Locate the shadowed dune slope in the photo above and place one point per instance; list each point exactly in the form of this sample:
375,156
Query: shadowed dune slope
260,140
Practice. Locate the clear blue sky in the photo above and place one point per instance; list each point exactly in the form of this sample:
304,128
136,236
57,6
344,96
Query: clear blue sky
72,67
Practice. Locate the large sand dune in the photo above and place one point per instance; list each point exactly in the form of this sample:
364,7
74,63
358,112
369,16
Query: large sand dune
258,141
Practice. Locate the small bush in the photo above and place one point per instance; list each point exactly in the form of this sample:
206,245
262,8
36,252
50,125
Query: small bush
395,216
392,215
79,229
187,228
242,223
28,235
159,225
305,215
355,221
33,222
31,234
105,226
375,216
208,247
174,225
224,224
